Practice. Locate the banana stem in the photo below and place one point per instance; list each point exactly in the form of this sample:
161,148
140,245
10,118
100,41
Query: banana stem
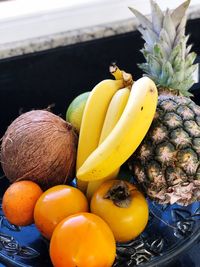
116,72
121,75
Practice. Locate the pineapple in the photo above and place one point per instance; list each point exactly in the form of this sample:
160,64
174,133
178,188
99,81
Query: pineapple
166,163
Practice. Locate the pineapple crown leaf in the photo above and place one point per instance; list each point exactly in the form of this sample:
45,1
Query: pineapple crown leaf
155,64
148,35
169,61
166,72
175,54
190,58
168,25
160,53
179,12
164,37
180,33
146,24
157,16
144,67
188,49
183,89
190,70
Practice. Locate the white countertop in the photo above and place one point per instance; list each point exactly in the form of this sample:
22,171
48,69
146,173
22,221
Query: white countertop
31,26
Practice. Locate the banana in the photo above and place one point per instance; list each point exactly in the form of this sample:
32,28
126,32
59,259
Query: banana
126,135
114,112
115,109
92,121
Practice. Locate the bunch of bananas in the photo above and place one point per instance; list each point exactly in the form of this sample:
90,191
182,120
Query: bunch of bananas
117,116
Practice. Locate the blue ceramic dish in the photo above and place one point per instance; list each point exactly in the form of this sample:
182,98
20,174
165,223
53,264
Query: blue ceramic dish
171,239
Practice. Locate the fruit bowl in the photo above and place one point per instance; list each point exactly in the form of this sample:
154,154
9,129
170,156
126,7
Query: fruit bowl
170,239
171,232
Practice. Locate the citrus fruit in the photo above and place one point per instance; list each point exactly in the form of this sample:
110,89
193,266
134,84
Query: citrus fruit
75,110
83,240
55,204
19,201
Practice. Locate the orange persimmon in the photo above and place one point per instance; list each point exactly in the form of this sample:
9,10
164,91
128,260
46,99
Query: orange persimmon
82,240
55,204
123,207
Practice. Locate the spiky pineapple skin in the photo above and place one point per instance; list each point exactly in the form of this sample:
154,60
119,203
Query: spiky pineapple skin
166,164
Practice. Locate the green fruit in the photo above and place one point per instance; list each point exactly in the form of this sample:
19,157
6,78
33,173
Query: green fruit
75,110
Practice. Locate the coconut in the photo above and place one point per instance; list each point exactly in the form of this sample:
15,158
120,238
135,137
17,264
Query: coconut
39,146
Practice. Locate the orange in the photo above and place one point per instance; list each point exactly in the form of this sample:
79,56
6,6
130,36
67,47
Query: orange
19,201
83,240
55,204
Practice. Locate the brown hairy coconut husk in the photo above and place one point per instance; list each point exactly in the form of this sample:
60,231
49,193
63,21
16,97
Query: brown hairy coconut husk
41,147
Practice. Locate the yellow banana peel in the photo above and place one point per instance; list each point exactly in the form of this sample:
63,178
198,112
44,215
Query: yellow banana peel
93,119
126,135
114,112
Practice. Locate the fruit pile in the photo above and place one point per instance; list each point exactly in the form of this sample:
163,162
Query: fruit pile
102,209
116,117
151,124
80,233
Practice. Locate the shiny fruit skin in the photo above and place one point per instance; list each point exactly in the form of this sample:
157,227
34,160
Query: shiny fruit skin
75,110
82,240
125,222
55,204
19,201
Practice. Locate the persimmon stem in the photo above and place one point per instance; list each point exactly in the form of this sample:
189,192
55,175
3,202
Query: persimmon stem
120,194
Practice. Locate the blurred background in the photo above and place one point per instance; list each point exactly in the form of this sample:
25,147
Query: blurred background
52,50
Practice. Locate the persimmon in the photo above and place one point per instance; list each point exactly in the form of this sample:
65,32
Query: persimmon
19,201
123,207
82,240
55,204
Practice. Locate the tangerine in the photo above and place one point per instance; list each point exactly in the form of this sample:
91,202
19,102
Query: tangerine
19,201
